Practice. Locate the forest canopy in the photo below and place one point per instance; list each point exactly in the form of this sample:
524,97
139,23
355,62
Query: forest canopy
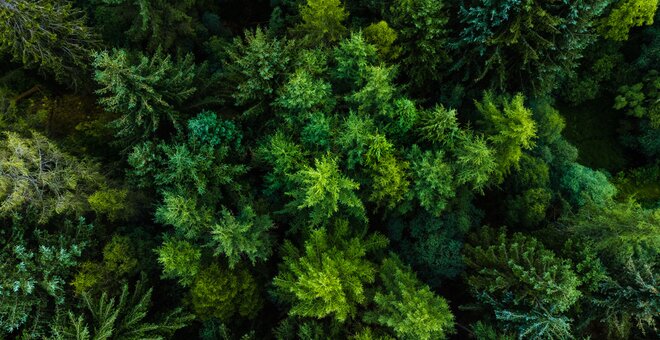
329,169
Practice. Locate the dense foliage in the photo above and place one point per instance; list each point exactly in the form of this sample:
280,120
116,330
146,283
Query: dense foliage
328,169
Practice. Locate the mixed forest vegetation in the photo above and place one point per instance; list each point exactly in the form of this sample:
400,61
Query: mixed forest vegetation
326,169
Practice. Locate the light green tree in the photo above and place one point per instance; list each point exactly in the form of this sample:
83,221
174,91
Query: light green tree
510,128
407,306
329,276
38,180
322,21
47,34
180,260
321,190
624,15
382,36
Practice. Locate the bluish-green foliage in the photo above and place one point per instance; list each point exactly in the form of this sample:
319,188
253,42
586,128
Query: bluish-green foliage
36,266
522,44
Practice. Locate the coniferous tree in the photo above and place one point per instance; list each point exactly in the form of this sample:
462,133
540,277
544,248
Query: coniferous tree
524,46
527,286
145,91
510,128
328,277
322,189
38,180
49,35
159,23
408,307
122,317
423,36
322,21
624,15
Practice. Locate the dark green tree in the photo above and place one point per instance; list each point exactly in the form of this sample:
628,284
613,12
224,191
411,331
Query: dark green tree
158,23
124,317
423,37
223,293
523,46
36,266
527,286
255,66
145,91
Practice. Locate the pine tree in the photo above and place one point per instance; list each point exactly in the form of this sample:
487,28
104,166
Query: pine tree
223,294
383,37
329,276
510,128
523,45
526,285
352,57
433,180
145,91
624,15
322,189
409,307
242,236
180,260
38,180
423,38
36,266
159,23
322,21
49,35
255,66
122,318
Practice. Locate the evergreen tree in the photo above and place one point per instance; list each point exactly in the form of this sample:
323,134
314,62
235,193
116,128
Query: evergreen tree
36,265
49,35
329,276
624,15
322,21
383,37
322,189
122,318
180,260
526,285
423,38
223,294
159,23
38,180
255,66
510,128
433,180
409,307
145,91
242,236
523,45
